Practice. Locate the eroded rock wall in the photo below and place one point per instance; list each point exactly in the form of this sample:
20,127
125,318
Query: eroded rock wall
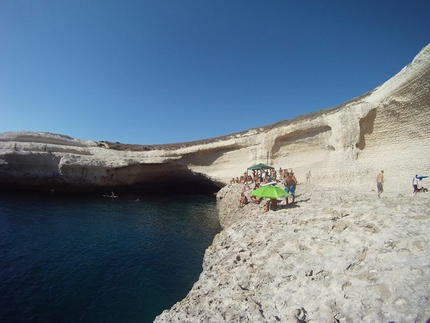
345,146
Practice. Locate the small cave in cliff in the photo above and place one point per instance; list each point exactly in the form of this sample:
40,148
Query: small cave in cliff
161,178
199,185
196,185
149,179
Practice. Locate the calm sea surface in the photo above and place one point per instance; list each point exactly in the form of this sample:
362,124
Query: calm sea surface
99,259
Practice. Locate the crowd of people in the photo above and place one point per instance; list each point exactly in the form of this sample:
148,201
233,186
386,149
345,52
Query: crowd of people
254,179
262,176
286,179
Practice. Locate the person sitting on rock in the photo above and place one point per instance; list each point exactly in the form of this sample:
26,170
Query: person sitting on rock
273,204
255,199
243,200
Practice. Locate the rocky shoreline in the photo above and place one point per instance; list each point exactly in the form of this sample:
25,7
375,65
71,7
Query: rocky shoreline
334,256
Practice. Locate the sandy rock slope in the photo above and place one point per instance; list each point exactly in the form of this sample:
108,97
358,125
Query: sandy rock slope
333,256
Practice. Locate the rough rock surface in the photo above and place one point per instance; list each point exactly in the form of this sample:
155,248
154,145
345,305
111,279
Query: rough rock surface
333,256
386,128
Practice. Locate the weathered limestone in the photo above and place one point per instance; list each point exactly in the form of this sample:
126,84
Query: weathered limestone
44,160
337,255
343,146
334,256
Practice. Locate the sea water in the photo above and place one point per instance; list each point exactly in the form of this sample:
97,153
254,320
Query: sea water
95,259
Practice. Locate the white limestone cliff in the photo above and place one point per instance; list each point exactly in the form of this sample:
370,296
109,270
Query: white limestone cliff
342,146
337,254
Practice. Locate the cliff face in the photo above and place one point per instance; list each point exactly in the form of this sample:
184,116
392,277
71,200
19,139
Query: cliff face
44,160
348,145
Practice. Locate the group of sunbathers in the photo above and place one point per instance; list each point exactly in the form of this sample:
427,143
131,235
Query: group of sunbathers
261,177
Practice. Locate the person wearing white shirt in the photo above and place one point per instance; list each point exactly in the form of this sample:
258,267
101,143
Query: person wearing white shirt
415,181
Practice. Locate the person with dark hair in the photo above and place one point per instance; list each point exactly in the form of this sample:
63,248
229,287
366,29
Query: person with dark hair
243,200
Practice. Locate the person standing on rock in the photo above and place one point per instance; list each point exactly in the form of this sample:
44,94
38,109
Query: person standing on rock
308,177
294,181
415,181
380,182
290,186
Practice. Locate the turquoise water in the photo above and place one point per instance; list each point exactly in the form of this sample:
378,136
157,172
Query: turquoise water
75,259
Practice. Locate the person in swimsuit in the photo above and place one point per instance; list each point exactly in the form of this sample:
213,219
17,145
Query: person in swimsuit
380,182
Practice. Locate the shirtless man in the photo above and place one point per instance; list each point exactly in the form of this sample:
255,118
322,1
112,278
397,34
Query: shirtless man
273,204
293,184
380,182
290,185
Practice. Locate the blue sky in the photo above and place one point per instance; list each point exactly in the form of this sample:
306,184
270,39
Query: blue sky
168,71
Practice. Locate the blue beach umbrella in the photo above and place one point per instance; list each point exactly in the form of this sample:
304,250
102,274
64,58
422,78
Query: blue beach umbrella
420,177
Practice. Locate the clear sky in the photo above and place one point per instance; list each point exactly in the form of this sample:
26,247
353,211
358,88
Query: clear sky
168,71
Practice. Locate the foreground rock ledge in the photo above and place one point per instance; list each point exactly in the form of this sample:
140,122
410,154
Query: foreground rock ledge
335,256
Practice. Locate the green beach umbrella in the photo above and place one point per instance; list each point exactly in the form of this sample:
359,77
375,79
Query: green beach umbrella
271,192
